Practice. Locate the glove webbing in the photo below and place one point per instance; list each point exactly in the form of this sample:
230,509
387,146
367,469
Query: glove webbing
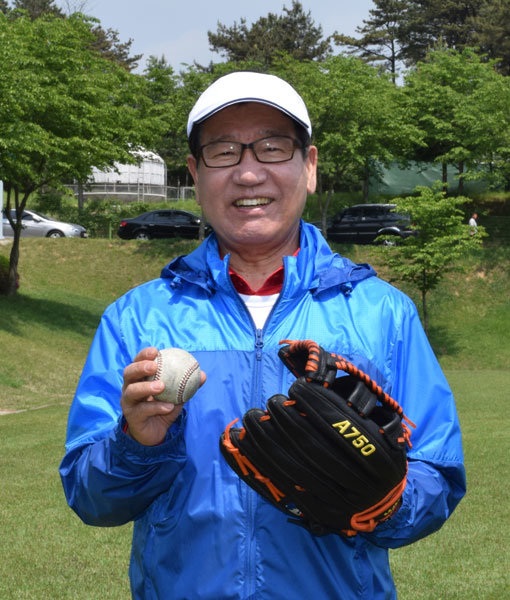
312,365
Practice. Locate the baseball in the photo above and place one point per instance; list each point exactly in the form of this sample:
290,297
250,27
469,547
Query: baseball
180,372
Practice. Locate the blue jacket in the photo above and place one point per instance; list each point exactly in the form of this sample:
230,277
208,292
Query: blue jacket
201,533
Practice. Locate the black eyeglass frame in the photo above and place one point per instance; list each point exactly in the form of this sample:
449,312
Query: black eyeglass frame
251,146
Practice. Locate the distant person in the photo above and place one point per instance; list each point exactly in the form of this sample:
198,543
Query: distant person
473,224
263,275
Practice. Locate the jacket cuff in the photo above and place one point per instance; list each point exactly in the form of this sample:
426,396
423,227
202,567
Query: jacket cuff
173,446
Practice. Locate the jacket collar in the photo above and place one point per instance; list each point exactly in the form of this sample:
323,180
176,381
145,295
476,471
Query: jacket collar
315,267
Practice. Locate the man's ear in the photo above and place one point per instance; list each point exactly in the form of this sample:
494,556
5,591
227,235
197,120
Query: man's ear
193,169
311,167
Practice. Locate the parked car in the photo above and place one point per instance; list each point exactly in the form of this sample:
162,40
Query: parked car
34,224
318,224
162,223
363,223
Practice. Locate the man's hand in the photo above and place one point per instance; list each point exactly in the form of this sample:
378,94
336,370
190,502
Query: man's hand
148,419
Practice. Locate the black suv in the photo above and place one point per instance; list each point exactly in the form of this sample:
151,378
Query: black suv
362,223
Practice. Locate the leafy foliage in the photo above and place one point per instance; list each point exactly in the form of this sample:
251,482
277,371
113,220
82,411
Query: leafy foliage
38,8
173,96
443,238
492,32
406,30
462,105
425,23
106,42
292,32
358,122
161,89
63,109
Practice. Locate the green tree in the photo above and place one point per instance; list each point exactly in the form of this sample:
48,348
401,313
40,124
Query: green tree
161,89
63,109
425,23
357,118
379,41
106,42
492,32
173,96
38,8
293,33
443,237
461,104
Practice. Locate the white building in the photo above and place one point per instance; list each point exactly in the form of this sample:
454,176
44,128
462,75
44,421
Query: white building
151,171
145,180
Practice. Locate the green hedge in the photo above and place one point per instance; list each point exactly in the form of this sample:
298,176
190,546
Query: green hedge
100,217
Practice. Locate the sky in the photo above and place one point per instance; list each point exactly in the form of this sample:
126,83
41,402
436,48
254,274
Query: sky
178,29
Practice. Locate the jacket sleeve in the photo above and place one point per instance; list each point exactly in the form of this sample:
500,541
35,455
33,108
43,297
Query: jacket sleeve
109,478
436,477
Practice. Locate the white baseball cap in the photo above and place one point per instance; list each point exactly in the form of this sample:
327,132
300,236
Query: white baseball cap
248,86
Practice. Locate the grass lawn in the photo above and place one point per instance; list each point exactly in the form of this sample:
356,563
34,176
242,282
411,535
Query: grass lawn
47,553
468,557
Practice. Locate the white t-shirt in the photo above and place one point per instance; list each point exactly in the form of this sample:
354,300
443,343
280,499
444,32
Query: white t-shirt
259,307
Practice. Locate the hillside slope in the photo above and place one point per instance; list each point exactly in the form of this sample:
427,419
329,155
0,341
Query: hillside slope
46,330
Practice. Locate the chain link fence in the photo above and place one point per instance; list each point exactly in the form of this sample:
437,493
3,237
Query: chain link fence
134,192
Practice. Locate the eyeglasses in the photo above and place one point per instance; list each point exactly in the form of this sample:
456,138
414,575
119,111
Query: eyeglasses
274,149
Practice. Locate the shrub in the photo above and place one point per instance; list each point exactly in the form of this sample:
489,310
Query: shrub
101,217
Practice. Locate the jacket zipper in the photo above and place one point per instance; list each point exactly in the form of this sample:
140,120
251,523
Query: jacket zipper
259,401
249,560
259,343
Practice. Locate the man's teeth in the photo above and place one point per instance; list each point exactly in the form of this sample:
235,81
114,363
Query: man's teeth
252,202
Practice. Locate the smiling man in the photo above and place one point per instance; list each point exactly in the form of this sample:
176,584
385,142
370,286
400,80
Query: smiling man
263,275
254,206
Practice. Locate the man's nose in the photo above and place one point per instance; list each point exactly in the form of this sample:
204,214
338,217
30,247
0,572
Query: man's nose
249,171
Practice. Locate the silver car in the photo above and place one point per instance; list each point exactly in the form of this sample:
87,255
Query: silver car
34,224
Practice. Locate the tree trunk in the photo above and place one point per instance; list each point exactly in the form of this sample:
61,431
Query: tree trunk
320,203
12,283
366,180
319,190
80,197
393,64
13,278
324,213
460,188
445,176
424,303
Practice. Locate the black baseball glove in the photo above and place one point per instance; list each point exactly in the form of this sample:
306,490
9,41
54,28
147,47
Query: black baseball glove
332,454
